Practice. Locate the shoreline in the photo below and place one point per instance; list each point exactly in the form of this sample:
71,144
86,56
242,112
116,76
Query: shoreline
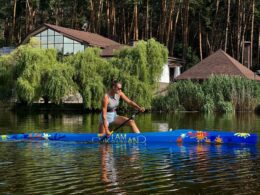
78,108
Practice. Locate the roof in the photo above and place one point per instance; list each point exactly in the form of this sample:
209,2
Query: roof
219,63
86,38
109,51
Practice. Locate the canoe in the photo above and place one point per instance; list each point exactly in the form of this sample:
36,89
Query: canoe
175,136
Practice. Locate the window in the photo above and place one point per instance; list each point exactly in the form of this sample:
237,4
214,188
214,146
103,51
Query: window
44,33
58,39
50,32
68,49
52,39
78,47
67,40
44,40
59,47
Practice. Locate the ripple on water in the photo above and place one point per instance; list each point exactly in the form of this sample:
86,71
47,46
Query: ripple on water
59,168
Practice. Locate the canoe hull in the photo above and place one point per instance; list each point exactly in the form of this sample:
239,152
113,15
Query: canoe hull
176,136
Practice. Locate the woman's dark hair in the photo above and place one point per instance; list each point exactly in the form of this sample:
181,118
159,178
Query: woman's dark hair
114,82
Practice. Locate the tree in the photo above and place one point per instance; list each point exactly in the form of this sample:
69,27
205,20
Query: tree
38,74
89,82
7,83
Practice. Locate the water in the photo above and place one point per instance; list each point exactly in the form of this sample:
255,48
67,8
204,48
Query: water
71,168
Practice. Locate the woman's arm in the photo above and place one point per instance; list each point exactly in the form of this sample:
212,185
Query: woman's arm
104,113
131,103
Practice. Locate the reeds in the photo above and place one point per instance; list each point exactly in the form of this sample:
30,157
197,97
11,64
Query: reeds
217,94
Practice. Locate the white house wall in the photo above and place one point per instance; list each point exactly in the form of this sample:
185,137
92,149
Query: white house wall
165,77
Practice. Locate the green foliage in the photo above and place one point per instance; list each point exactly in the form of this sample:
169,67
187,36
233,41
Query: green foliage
190,94
136,90
218,93
157,56
169,102
87,77
145,60
6,77
31,63
241,92
134,66
208,106
25,90
57,82
38,73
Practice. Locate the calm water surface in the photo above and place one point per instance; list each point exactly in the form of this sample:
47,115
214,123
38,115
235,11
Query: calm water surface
73,168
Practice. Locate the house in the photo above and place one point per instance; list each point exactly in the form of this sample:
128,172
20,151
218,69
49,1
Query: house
219,63
70,41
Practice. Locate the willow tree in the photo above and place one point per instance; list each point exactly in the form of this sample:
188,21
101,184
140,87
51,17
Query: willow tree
89,82
57,82
38,74
140,69
6,77
145,61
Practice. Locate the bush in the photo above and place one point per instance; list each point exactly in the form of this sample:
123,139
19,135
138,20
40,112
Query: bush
190,94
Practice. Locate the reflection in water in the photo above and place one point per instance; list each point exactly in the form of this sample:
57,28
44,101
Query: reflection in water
113,172
109,173
69,122
239,122
71,168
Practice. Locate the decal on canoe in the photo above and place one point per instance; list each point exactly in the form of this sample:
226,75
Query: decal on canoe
46,136
199,135
244,135
219,140
122,138
4,137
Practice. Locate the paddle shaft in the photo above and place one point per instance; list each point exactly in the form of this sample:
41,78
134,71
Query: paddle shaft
133,116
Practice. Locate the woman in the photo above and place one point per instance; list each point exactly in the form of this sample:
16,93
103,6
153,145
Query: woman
109,104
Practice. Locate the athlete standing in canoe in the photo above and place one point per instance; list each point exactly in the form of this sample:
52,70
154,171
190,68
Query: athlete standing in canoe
110,103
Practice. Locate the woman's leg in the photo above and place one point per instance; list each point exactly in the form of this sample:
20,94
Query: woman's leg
121,119
101,129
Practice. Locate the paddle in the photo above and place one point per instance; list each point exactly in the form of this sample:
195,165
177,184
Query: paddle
132,117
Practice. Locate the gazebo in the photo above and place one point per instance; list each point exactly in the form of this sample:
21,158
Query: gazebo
219,63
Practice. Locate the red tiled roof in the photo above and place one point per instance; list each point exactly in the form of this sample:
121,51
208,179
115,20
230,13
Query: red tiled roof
84,37
219,63
87,37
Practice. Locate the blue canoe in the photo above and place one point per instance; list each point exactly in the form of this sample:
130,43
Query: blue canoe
175,136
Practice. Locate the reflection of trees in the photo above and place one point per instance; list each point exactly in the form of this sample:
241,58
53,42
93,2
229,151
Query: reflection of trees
24,122
238,122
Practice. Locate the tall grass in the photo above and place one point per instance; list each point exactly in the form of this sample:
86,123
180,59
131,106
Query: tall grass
217,94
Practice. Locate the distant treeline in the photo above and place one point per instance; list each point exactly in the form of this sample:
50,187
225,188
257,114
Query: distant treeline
190,29
217,94
30,73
